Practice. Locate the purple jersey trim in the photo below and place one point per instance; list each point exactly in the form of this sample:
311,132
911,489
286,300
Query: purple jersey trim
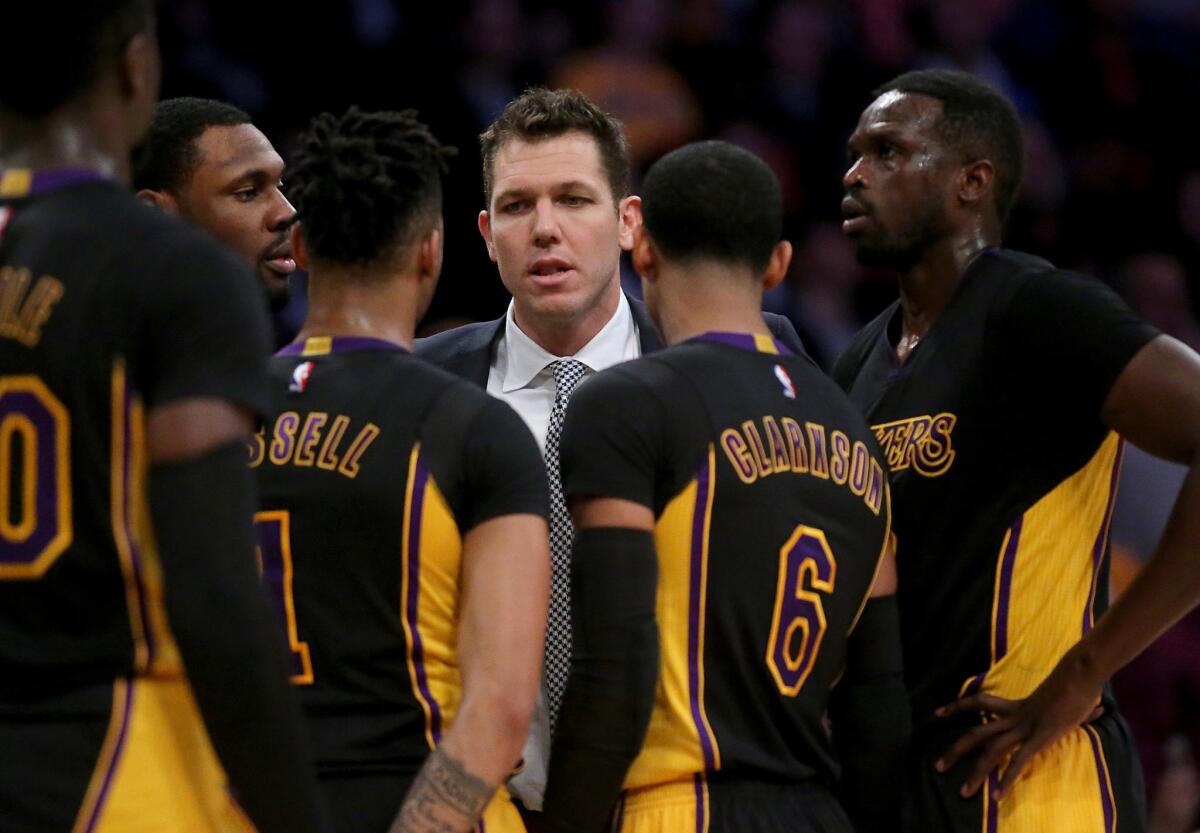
135,554
1007,563
695,621
420,480
344,344
45,181
745,341
1102,537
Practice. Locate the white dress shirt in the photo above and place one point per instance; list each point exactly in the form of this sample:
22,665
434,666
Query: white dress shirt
520,375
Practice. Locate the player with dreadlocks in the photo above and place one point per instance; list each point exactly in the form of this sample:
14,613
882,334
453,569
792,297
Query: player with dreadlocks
399,656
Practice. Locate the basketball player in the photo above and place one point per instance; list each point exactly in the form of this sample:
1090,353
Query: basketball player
205,161
138,659
1001,390
730,563
403,527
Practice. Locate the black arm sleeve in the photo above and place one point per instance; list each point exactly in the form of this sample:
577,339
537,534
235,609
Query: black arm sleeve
228,641
872,723
614,671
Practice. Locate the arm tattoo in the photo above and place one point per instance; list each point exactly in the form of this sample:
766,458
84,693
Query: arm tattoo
444,798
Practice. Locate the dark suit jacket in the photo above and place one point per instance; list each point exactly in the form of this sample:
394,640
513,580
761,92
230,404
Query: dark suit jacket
466,351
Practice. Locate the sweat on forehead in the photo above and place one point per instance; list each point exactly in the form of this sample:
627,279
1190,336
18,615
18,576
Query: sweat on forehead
896,107
974,119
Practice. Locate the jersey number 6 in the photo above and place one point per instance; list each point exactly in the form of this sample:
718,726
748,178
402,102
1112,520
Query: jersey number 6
806,565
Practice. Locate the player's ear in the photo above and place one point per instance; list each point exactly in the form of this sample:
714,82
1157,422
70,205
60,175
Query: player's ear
299,249
159,199
777,266
139,71
976,181
485,229
629,217
644,253
429,255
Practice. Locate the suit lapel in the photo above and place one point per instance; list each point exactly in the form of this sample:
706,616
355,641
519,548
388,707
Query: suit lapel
647,332
474,360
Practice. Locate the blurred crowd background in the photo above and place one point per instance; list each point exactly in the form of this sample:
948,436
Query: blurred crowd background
1106,89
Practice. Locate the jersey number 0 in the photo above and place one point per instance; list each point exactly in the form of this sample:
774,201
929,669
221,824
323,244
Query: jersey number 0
35,477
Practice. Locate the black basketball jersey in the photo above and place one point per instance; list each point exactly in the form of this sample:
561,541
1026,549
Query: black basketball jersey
107,309
771,512
1003,475
372,466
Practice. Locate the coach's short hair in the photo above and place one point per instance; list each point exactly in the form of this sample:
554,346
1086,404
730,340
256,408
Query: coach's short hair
713,201
540,113
977,122
54,52
169,155
366,183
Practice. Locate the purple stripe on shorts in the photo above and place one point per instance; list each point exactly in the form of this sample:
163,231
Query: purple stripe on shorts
975,684
420,479
118,747
699,517
1106,799
618,816
992,822
701,819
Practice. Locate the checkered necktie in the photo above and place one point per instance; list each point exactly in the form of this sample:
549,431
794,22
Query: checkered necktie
567,374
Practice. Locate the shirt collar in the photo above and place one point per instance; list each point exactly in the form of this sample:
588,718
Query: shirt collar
526,358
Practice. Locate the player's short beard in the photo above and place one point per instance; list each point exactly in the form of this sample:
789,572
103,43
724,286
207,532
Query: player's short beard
901,252
886,254
277,299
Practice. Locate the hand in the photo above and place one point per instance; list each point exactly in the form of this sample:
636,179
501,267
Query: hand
1021,728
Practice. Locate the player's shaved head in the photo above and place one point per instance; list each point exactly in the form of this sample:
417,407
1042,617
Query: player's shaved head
976,122
169,155
713,200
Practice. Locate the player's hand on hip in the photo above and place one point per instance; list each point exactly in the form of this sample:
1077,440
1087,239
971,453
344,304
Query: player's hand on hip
1019,728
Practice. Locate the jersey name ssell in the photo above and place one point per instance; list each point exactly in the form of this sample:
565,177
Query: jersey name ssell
314,439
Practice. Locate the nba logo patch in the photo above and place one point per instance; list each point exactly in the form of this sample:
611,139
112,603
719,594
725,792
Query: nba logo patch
300,377
789,390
